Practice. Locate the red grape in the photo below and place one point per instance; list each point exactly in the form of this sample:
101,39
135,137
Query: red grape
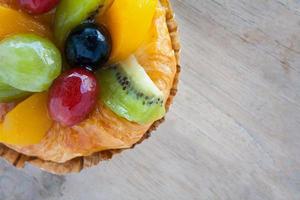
73,96
38,6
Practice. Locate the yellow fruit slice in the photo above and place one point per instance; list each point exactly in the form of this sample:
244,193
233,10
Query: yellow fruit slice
128,22
14,22
27,123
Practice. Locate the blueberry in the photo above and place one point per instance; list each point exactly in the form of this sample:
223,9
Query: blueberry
88,46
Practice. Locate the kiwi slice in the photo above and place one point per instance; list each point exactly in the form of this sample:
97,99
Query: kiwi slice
9,94
129,92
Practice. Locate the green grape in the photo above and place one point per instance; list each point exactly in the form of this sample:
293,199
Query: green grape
29,62
71,13
9,94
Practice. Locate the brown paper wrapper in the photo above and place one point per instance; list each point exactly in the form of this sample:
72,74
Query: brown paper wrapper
80,163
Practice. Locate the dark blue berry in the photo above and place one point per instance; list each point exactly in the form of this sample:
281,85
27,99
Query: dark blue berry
88,46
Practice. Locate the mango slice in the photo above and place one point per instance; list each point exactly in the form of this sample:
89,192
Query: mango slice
128,23
14,22
28,122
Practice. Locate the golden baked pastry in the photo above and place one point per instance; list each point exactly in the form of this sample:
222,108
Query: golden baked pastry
103,130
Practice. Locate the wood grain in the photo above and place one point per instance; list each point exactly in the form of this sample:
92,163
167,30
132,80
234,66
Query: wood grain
234,129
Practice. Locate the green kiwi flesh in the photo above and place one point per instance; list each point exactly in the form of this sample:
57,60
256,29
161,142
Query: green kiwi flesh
129,92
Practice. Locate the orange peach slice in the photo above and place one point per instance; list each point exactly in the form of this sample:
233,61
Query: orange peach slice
28,122
14,22
129,23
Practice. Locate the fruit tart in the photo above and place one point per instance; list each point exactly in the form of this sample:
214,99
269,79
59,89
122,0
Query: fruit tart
82,80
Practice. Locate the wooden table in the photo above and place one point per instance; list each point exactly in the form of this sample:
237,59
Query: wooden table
234,130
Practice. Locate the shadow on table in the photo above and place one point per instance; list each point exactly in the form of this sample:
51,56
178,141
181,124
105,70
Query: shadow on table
28,183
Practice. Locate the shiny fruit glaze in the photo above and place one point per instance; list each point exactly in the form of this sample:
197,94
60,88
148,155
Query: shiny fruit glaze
73,96
129,22
88,45
28,122
29,62
103,129
15,22
71,13
38,6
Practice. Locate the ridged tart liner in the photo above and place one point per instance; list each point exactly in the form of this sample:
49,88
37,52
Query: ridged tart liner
84,162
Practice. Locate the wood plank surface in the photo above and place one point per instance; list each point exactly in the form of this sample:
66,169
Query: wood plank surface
233,131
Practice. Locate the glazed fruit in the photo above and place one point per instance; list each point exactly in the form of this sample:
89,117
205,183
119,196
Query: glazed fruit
27,123
73,96
70,14
130,93
129,23
38,6
14,22
9,94
88,46
29,62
